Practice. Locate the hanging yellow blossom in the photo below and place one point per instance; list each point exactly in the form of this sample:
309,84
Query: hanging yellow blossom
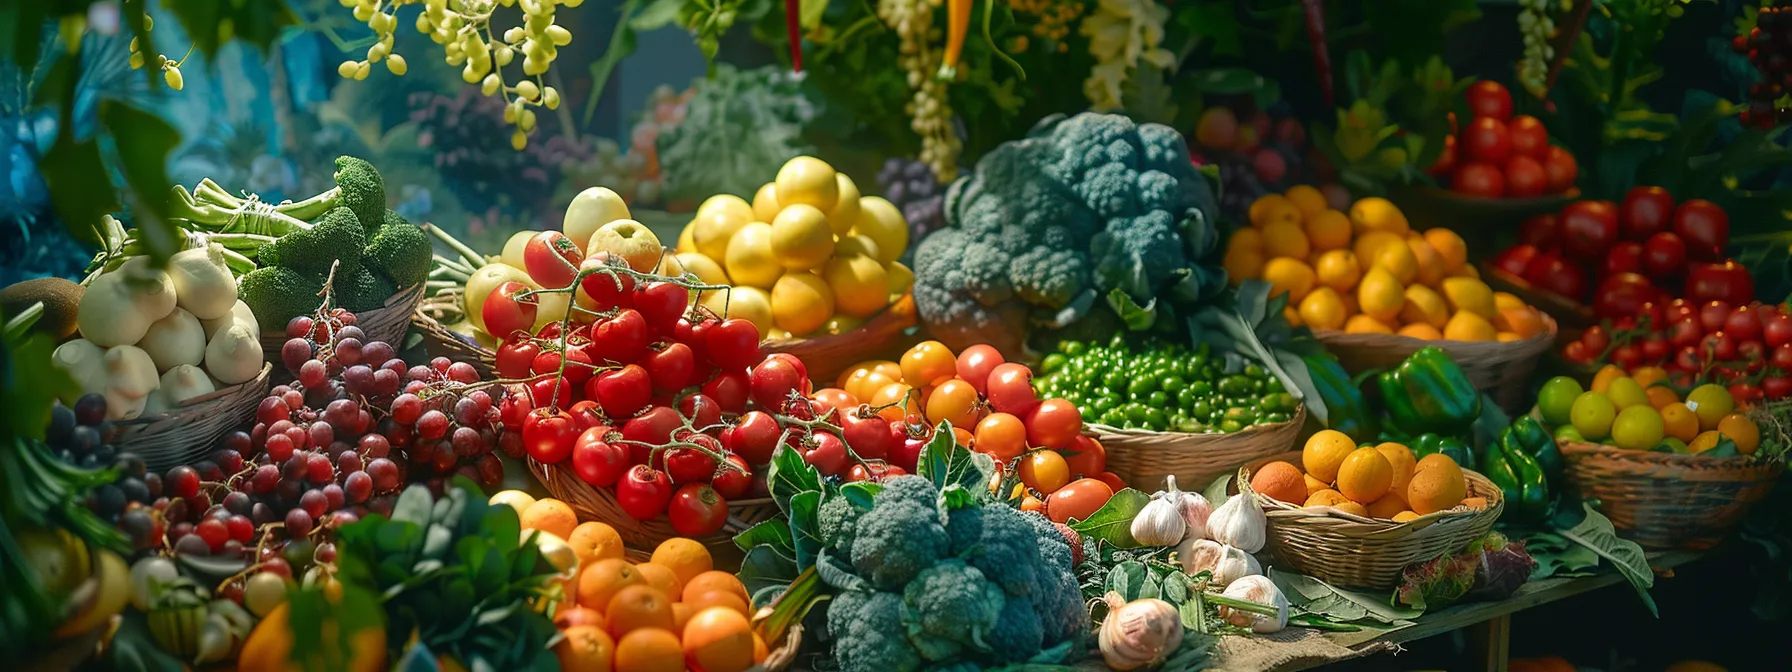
1122,33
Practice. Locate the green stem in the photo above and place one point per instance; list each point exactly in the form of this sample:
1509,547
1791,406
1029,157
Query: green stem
473,258
17,326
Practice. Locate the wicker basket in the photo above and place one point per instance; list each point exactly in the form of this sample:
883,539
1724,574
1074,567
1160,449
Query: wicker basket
440,341
884,336
592,503
1143,458
1669,500
184,435
1499,369
387,323
1356,552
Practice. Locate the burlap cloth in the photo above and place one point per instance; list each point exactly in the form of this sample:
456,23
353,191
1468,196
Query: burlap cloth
1292,648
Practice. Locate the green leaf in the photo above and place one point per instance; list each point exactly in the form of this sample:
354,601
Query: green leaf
1113,521
1595,532
1176,588
1131,580
861,494
657,14
211,24
78,186
1136,317
622,44
765,567
956,496
788,475
501,524
774,533
945,462
805,530
1339,604
414,505
809,14
1216,492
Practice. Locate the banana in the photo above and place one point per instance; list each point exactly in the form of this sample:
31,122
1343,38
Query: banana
114,591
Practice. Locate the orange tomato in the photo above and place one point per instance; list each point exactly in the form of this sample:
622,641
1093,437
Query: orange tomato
1044,470
1086,457
1031,503
928,363
898,398
1002,436
718,639
953,401
963,437
1078,500
1112,479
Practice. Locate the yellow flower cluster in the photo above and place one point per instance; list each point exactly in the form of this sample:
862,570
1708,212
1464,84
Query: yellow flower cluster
1055,18
1121,34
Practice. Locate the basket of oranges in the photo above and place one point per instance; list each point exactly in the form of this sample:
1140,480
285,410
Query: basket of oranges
1356,516
1681,474
1375,290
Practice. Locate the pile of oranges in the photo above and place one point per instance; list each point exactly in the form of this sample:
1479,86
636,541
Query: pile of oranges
673,612
1382,481
1370,272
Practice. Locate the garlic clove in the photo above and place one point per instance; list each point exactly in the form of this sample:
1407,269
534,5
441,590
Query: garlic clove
1159,523
1194,508
1261,590
1223,563
1240,523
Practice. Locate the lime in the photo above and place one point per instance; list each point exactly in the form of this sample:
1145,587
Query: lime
1592,415
1637,427
1626,392
1557,399
1711,403
1569,433
1675,445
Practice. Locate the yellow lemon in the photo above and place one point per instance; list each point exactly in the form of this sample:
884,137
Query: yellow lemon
1704,441
1424,306
840,324
748,303
1270,207
1592,415
695,263
1449,246
1363,324
1504,301
735,207
1245,239
801,239
806,180
715,225
749,260
900,278
1377,214
801,303
1338,269
1637,428
845,213
1711,403
1466,271
1380,295
1328,230
1307,199
1422,331
1292,315
848,245
1285,239
1367,244
883,223
1507,337
860,285
1322,309
686,243
1470,295
1243,265
765,203
1626,392
1467,326
1431,264
1288,276
1398,259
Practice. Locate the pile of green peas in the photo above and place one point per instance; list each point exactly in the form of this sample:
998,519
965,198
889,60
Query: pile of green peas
1162,386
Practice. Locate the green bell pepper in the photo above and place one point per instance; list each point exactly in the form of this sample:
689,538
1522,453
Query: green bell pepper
1452,447
1533,503
1429,393
1535,441
1499,470
1345,408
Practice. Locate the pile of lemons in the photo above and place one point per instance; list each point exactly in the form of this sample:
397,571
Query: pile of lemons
1641,411
809,255
1370,272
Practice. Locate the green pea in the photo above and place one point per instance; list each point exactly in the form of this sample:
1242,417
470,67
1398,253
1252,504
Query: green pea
1154,416
1273,384
1073,348
1229,426
1113,417
1158,399
1201,410
1254,371
1174,382
1273,418
1142,386
1052,362
1201,387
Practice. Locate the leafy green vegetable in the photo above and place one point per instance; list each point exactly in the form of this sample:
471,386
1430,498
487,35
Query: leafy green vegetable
1112,523
1595,533
1248,320
1340,605
739,127
946,463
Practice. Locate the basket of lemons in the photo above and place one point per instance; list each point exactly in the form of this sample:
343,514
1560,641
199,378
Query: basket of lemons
812,262
1375,290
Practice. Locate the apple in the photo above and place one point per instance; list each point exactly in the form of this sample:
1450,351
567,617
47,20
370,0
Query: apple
630,240
1516,259
1622,294
1645,212
1704,227
589,211
1723,281
1589,228
1552,273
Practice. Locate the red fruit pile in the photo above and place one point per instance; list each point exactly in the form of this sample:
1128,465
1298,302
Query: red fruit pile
1764,45
1747,347
1498,155
1645,249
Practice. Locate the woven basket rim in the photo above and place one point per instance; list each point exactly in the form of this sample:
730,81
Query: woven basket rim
1299,418
409,295
1512,349
1680,460
193,405
1352,525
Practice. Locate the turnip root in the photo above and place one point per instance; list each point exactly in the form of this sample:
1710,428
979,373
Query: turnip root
234,355
118,307
175,340
202,283
131,377
84,362
239,314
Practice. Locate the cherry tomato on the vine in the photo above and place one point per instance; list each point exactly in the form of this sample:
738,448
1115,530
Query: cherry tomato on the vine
697,510
506,312
661,304
607,292
753,437
515,356
548,437
654,427
552,260
953,401
729,389
975,363
623,338
825,452
928,363
1054,424
1086,457
596,461
1044,471
1011,389
868,436
670,367
644,492
1002,436
736,482
1079,499
733,344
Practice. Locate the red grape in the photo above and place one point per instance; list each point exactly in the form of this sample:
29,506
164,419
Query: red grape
213,532
183,481
313,375
357,486
432,425
299,522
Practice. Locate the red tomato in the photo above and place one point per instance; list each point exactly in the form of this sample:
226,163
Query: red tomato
975,363
1011,389
1743,325
906,452
1713,314
1480,180
1577,352
825,452
1079,499
1561,169
1489,99
771,382
506,312
607,291
1777,332
1664,255
1113,480
670,367
1054,423
622,339
688,465
1086,457
1645,212
1529,138
868,436
1589,229
586,415
644,492
733,483
596,461
754,436
1516,259
697,510
830,399
621,392
1624,257
1725,281
1487,141
514,409
661,304
729,389
545,392
549,436
1776,387
515,356
1525,178
1627,356
552,260
578,365
1679,308
1685,331
1721,346
1655,349
733,344
1446,161
1704,226
1622,294
1552,273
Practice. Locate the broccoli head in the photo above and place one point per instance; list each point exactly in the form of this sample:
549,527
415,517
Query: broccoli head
913,489
361,289
1057,596
276,295
949,607
895,542
838,520
1018,634
401,252
336,236
363,192
868,633
996,539
1046,225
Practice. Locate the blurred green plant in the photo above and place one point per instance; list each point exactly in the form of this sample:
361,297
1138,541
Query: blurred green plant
1393,124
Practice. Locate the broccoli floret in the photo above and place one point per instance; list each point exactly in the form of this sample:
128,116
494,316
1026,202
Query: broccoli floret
337,235
362,289
868,633
838,520
1018,634
948,607
276,295
912,489
1057,596
895,542
363,192
400,252
998,541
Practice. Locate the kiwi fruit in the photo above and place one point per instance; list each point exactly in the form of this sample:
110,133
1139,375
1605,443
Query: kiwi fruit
61,299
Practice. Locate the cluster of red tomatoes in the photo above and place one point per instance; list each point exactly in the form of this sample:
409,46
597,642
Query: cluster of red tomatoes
1499,155
1643,249
1746,347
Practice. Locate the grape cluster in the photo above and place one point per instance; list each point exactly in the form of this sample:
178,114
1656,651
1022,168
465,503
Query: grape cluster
81,436
930,114
1766,47
1535,24
170,67
463,28
917,190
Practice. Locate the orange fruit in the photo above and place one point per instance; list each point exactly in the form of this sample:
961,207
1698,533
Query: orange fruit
1309,201
1603,378
551,516
1283,238
584,649
1367,244
1291,315
594,541
1525,322
1363,324
685,557
1381,295
1401,459
1353,508
269,646
1280,481
1314,484
1507,337
1476,503
1324,453
1678,421
1328,230
1431,264
1243,265
1327,497
1338,269
1378,214
1741,430
636,607
603,579
661,577
1437,485
1365,475
1467,326
1289,276
570,616
649,650
1662,396
1404,516
760,651
718,639
1323,309
1450,247
1245,240
1470,295
717,598
1648,375
681,614
714,580
1421,331
1389,504
1271,209
1423,305
1397,258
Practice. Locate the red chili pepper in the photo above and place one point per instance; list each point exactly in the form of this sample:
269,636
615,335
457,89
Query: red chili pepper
793,16
1322,58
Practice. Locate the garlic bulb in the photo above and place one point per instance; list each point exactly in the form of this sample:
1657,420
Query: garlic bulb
1139,633
1261,590
1239,523
1159,523
1194,508
1225,563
